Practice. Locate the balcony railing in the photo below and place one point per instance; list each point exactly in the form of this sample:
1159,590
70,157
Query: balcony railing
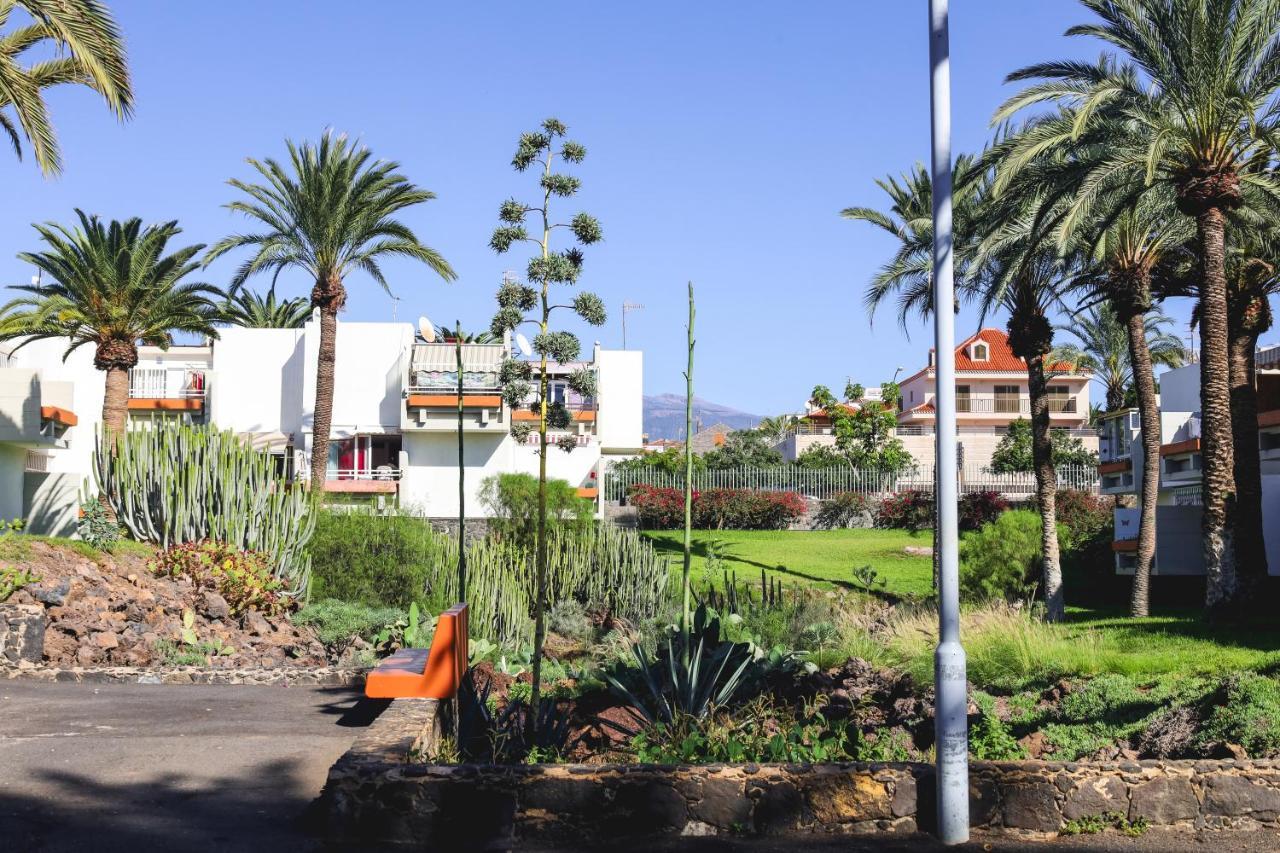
1011,405
167,383
386,473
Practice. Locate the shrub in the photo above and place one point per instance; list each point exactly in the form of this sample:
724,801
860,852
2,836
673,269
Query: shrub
908,510
661,508
243,578
96,527
1247,713
377,560
1082,518
1000,560
990,739
513,501
337,623
840,510
979,508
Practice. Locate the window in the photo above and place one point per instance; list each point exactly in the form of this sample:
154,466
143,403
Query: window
962,398
980,351
558,392
1008,399
1060,399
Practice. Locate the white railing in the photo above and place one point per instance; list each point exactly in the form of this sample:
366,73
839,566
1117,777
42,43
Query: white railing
168,383
37,462
381,472
824,482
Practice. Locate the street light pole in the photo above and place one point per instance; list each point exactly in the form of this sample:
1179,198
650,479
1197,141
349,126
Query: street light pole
951,703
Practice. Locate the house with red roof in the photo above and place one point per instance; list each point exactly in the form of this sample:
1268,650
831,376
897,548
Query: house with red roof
991,388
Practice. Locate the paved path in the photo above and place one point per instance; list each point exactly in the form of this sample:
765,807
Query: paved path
153,767
195,768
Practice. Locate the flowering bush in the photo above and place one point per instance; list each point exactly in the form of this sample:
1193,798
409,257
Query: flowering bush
1082,517
719,509
980,508
909,510
241,577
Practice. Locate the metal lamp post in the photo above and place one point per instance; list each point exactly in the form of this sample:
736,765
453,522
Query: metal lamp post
950,717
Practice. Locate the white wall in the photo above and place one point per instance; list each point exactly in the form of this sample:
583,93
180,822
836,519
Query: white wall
368,376
13,463
1180,389
256,382
621,398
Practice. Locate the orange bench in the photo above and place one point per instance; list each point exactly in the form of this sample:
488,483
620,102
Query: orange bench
431,673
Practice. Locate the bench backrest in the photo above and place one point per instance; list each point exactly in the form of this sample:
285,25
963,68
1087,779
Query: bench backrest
449,656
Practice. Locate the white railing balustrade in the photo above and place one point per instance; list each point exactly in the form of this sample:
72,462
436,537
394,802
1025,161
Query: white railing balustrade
167,383
380,472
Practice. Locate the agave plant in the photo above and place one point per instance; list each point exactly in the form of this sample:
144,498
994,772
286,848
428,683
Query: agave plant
710,675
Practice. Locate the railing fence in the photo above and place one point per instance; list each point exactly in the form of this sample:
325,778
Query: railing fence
825,482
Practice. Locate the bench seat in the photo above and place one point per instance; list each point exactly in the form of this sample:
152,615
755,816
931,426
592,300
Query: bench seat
431,673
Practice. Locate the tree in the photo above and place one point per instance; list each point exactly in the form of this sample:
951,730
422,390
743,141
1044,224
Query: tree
775,428
329,212
864,429
1013,454
517,301
111,286
817,456
909,220
1103,348
743,448
1187,102
83,46
252,311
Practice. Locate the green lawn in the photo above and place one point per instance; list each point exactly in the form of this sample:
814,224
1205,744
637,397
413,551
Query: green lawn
822,558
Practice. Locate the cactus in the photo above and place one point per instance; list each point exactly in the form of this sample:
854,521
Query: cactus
174,483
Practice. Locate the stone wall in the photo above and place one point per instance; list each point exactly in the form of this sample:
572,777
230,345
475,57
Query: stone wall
327,676
21,633
375,794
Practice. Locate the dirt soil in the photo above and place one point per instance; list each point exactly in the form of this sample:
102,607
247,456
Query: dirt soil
113,611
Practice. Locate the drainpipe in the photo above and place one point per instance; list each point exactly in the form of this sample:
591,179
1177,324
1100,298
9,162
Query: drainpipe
951,704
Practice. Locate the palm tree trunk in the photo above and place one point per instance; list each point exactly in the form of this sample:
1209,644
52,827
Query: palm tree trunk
322,423
1218,464
1149,418
1046,488
1115,394
115,402
1251,556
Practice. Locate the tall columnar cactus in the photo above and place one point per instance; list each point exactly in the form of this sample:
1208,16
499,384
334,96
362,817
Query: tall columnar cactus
174,483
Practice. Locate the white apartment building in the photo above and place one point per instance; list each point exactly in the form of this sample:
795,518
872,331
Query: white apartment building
394,426
1178,539
991,393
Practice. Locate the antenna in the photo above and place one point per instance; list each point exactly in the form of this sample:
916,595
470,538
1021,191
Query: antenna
523,343
627,308
426,330
395,306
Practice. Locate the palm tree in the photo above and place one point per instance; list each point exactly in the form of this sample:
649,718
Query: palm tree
329,212
85,48
909,220
1102,348
1253,277
111,286
777,427
1190,105
252,311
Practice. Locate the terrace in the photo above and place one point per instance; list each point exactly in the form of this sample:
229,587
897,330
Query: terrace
168,389
431,387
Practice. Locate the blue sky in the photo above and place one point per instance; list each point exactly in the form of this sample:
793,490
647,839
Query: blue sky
723,139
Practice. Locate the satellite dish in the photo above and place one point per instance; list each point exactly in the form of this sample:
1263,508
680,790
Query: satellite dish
426,330
523,343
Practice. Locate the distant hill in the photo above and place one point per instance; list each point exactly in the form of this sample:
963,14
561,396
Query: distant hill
664,416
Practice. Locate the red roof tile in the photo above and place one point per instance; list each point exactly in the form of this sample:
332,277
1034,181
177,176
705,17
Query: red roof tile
1001,357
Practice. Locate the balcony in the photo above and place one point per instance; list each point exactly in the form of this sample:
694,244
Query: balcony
167,389
1180,461
1009,405
384,479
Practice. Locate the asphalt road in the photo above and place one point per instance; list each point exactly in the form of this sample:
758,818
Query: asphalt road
133,767
152,767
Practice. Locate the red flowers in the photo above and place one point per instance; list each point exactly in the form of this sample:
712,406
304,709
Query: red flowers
720,509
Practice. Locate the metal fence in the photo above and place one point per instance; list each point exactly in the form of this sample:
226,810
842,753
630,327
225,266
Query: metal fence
825,482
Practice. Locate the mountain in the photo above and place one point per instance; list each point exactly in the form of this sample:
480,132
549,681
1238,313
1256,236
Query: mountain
664,416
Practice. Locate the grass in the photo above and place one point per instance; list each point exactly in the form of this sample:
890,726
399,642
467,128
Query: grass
17,546
821,558
1007,650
